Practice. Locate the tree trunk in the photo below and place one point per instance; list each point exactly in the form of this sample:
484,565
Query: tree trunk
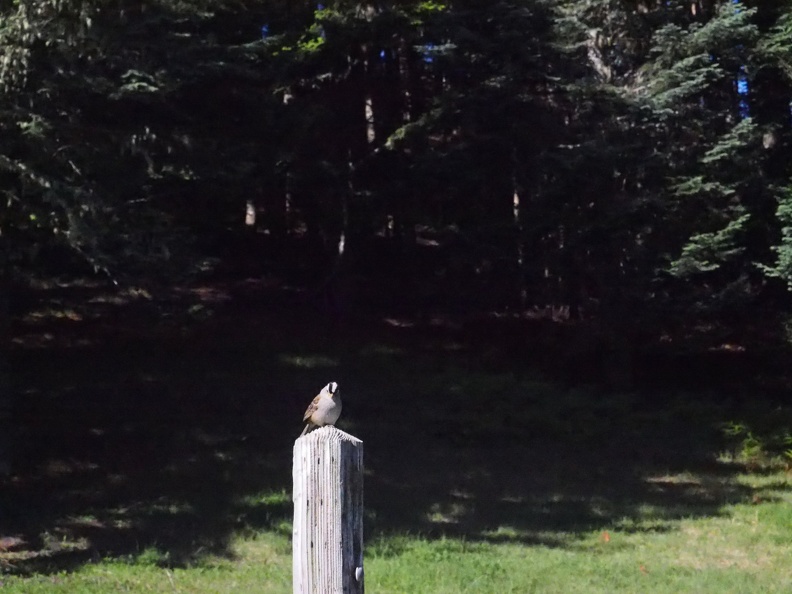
6,400
517,211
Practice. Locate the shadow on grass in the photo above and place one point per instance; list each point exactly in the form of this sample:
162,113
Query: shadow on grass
165,445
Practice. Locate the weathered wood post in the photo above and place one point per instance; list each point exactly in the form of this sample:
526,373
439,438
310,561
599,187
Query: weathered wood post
327,543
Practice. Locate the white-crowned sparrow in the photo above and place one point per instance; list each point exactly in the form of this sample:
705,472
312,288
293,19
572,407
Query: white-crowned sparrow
324,409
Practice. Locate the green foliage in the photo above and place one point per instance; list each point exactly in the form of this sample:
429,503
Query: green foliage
775,45
762,448
705,252
782,267
137,136
105,137
730,146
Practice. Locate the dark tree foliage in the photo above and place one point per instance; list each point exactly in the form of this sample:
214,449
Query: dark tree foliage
623,160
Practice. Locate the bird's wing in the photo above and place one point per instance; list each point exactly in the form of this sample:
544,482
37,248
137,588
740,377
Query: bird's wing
311,408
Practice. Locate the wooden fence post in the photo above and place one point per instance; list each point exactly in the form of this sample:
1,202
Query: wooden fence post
327,543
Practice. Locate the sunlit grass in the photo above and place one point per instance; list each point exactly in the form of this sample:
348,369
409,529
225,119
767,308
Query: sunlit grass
743,549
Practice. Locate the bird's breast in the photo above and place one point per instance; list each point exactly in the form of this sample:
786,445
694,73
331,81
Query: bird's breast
328,410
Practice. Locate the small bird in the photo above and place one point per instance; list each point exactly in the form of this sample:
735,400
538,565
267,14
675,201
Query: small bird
324,409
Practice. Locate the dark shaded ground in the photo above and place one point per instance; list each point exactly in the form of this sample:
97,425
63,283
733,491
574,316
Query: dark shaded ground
135,430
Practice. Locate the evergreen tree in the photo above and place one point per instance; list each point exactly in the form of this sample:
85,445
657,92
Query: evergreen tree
615,157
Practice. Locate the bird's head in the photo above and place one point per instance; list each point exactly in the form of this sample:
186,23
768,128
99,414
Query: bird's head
332,389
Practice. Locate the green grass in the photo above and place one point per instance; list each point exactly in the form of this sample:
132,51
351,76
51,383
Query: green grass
260,569
745,550
161,463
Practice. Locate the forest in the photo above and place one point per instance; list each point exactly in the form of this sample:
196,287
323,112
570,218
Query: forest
620,161
205,200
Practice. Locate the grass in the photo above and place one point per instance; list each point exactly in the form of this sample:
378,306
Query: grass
158,460
746,550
